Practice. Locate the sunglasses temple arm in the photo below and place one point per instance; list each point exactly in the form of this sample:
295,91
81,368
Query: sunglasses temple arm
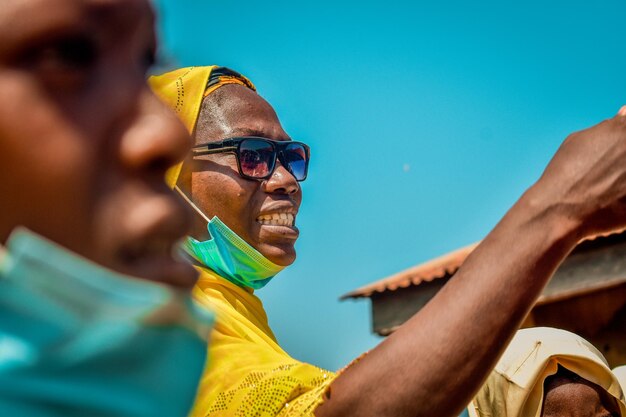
191,203
209,151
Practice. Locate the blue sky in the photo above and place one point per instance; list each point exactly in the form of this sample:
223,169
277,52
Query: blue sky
426,120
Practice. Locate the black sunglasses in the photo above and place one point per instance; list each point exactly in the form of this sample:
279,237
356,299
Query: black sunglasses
256,157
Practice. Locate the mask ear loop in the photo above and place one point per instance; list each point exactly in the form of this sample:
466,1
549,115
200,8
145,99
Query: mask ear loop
191,203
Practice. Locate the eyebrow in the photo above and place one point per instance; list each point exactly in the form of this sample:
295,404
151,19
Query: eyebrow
250,132
239,133
124,15
120,18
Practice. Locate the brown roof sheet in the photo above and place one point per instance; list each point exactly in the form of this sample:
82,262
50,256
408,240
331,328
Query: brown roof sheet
437,268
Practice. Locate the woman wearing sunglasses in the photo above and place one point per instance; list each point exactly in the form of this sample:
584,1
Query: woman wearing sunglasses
242,178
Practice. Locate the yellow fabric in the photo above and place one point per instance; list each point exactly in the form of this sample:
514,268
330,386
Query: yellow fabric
515,386
249,374
183,90
620,374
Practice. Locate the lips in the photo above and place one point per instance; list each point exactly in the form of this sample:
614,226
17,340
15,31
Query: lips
277,219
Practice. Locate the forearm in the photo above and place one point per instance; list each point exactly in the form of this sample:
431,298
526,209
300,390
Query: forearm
436,361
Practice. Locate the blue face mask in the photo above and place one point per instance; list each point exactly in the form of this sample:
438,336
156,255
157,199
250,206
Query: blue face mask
229,255
79,340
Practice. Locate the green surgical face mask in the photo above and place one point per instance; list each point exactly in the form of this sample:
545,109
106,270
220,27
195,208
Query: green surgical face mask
78,340
229,255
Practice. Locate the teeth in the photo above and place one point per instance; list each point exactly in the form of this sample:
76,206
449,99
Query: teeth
277,219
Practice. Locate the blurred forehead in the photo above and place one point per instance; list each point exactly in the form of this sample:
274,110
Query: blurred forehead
21,19
235,110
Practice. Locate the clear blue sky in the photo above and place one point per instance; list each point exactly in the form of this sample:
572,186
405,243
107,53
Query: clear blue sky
426,121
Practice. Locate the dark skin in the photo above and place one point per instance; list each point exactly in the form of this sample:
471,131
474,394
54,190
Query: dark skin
567,397
436,361
84,143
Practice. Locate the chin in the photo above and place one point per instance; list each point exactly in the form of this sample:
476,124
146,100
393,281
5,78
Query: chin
280,256
172,272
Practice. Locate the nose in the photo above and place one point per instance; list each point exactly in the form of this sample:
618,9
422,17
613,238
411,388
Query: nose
156,140
281,181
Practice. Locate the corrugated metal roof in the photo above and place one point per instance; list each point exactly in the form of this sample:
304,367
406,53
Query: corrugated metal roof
437,268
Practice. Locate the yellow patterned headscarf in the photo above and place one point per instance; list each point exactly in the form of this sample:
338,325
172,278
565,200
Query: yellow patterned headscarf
183,90
515,387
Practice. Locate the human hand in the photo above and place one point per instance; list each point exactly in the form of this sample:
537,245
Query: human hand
586,179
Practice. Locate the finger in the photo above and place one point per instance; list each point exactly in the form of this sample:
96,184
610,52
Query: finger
622,111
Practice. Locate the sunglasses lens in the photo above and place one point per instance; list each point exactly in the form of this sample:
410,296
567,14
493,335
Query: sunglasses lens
297,161
257,158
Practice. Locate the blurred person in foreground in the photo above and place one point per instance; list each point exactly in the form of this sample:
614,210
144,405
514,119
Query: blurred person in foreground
243,178
96,316
548,372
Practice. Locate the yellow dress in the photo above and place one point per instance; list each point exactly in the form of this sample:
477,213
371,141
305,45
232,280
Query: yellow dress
248,373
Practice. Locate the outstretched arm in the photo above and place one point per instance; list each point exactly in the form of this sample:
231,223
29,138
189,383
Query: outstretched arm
435,362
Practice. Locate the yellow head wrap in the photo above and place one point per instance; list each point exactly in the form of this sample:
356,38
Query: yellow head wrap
183,90
515,387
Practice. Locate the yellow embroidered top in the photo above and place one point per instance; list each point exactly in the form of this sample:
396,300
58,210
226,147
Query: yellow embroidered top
248,372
